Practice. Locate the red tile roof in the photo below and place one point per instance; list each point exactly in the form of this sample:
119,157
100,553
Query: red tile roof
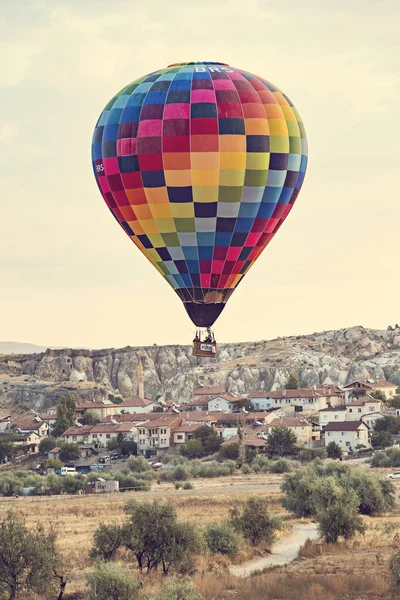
135,402
162,422
289,422
280,394
333,408
75,430
250,440
190,427
27,423
208,390
344,426
362,401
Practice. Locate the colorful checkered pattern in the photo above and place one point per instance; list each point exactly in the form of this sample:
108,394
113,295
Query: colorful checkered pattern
200,163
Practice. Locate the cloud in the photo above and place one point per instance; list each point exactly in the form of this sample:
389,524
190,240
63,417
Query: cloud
9,131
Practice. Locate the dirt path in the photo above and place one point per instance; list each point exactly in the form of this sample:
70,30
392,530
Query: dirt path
284,551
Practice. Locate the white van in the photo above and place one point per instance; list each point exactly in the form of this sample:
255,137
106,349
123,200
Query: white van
68,471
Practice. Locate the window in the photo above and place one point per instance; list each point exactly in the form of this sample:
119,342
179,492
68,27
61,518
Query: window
342,433
371,409
94,435
74,438
350,410
179,437
108,435
329,433
336,417
359,410
347,444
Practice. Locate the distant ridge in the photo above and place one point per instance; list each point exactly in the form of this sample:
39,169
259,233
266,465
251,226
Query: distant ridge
22,348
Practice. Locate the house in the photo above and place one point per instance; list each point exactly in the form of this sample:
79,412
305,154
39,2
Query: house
371,418
333,394
27,424
356,409
132,418
52,410
198,404
387,388
200,417
104,432
203,390
136,405
331,414
358,388
29,441
155,436
102,486
101,408
76,434
251,441
54,454
302,429
183,433
347,434
302,400
49,419
228,423
5,420
226,403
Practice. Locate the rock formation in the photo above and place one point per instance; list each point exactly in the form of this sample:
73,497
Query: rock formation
171,372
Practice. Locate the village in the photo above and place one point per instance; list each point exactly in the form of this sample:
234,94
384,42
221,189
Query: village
319,416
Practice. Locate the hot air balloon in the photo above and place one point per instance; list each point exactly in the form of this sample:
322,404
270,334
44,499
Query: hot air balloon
200,163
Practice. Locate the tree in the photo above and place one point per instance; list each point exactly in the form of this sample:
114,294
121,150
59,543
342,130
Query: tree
222,538
209,438
106,540
47,444
193,449
281,441
340,519
89,418
128,448
28,558
333,450
65,414
292,382
390,424
6,450
53,463
229,452
156,537
254,522
157,409
381,439
378,395
69,452
110,581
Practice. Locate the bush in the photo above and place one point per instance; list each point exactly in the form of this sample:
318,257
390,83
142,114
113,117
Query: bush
381,439
69,452
306,455
281,442
177,485
339,519
47,444
282,465
187,486
261,463
110,581
230,452
222,538
246,470
254,523
106,541
333,450
387,458
178,590
193,449
138,465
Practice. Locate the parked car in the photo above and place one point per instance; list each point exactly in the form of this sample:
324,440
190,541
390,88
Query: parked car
395,475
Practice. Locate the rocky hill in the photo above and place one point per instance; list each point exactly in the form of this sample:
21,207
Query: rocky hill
171,372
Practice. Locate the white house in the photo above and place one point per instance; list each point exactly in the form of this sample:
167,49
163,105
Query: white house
307,400
357,409
100,434
226,403
371,418
27,424
203,390
331,414
182,434
347,434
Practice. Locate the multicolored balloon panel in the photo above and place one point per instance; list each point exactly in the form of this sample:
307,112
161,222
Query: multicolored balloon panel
200,163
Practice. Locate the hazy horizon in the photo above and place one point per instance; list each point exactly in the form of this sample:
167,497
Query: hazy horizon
71,277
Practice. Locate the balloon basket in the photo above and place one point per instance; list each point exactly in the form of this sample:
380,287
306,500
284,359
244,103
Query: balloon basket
204,344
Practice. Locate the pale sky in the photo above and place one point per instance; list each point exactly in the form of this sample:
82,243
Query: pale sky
69,274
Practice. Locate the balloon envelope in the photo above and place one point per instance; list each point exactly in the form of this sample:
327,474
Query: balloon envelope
200,163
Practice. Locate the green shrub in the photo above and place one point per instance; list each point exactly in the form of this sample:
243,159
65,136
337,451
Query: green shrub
110,581
282,465
187,486
261,463
340,519
222,538
184,589
254,522
138,464
306,455
246,470
106,540
177,485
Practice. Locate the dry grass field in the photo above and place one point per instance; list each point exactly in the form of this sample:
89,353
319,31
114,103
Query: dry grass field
357,570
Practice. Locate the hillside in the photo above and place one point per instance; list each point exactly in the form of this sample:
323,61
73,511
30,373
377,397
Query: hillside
171,372
20,348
